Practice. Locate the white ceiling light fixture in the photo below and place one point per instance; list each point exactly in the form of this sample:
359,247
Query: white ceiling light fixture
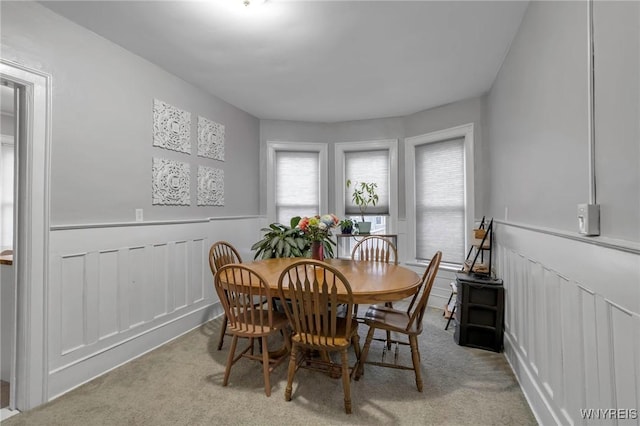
253,2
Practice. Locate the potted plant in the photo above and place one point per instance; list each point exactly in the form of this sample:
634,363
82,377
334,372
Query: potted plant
346,226
297,239
281,241
364,194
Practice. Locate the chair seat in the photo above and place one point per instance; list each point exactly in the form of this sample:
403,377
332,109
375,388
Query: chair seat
254,329
390,319
341,339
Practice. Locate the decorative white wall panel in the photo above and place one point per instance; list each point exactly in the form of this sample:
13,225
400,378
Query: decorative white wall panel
171,127
181,274
572,323
210,186
119,291
108,298
73,302
137,286
199,264
171,182
160,276
210,139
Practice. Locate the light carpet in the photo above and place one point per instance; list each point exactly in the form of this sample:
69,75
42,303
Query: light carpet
180,383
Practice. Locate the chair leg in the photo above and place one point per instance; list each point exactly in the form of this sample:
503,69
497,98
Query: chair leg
227,371
265,366
291,372
346,381
415,356
388,305
365,352
223,331
355,341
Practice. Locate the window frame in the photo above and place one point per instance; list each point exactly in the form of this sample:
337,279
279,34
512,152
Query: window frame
465,131
272,148
374,145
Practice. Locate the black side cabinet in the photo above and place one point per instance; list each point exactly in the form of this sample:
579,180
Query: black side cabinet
479,315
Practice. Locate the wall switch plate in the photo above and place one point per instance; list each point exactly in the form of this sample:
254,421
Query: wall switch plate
589,219
139,215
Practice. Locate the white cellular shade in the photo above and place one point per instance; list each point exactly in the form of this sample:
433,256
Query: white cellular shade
440,200
297,184
368,166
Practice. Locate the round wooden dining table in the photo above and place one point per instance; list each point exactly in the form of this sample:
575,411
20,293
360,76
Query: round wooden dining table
371,282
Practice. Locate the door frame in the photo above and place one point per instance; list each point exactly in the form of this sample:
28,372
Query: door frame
31,253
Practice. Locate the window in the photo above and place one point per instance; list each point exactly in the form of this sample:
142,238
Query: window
367,166
6,189
296,183
369,161
440,193
297,194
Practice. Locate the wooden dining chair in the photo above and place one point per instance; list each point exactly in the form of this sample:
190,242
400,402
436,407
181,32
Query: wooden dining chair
238,288
407,322
375,249
316,292
222,253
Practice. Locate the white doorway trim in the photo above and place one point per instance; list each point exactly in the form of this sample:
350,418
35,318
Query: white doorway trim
31,253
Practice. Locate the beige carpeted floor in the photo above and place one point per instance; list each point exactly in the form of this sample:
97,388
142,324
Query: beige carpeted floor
180,384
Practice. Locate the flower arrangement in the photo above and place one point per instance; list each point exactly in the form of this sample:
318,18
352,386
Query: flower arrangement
298,239
318,228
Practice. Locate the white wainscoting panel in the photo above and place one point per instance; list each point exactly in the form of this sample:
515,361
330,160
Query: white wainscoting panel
572,324
117,292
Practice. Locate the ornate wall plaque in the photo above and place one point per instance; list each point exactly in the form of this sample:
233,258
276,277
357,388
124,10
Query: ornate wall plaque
210,186
210,139
171,127
171,182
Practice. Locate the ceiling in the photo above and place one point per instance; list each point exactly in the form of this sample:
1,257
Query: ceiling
319,61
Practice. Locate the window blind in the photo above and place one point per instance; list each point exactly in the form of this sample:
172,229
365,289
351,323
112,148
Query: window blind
367,166
297,184
440,200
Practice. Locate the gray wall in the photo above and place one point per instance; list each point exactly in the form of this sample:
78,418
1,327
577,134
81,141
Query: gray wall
617,100
101,151
463,112
537,117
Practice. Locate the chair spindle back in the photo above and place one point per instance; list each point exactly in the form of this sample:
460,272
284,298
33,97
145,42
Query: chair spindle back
418,303
316,292
375,249
222,253
238,288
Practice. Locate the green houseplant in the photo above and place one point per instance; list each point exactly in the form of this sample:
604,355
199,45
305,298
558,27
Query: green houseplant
363,195
288,241
280,241
347,225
